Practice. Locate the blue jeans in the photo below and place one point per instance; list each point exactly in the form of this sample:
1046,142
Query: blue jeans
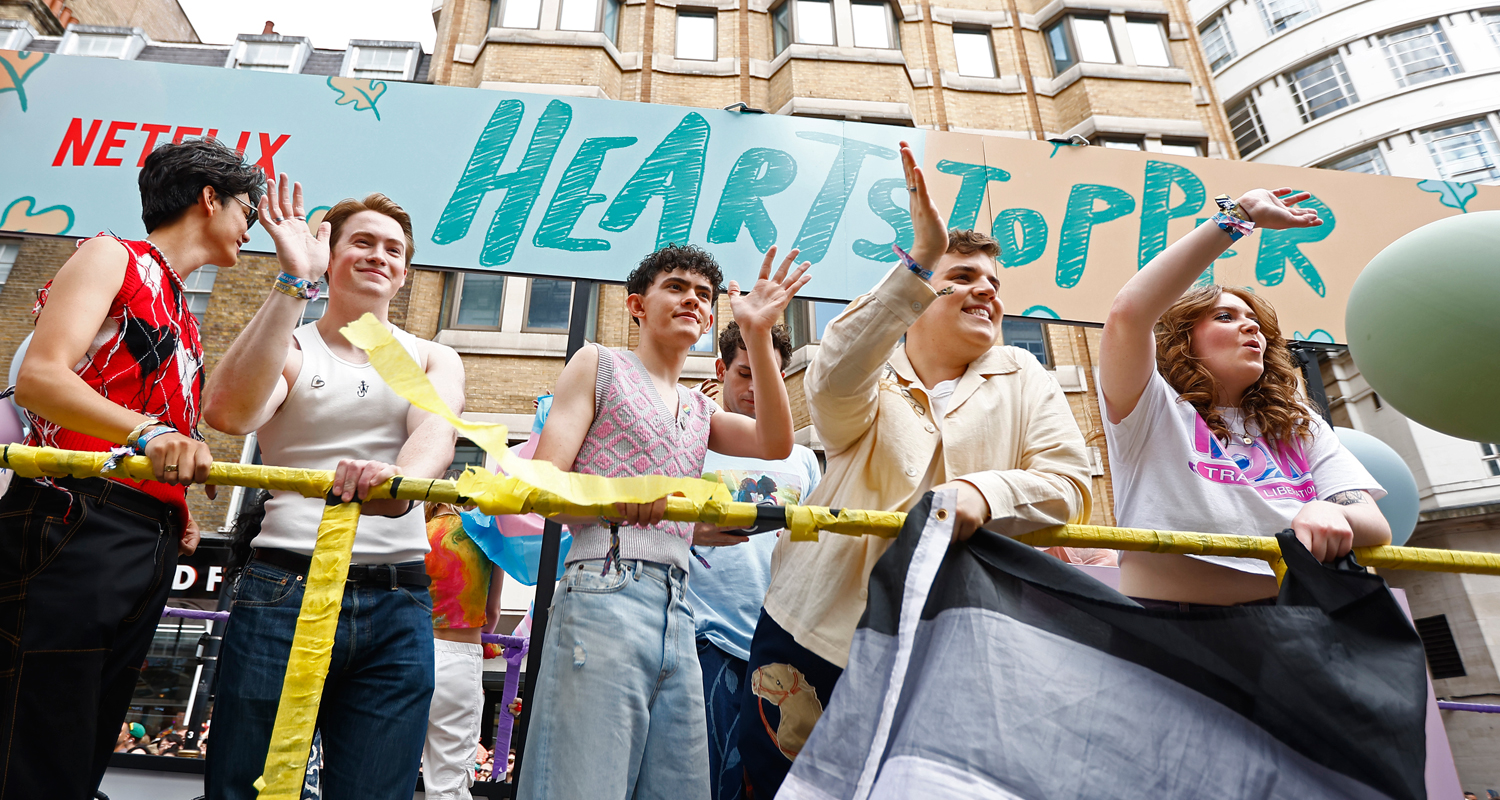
373,717
618,708
722,676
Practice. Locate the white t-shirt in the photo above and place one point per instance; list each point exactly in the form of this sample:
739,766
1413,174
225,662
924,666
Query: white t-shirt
1170,473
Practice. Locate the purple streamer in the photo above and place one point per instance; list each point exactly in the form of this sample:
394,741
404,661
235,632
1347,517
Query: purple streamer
1482,708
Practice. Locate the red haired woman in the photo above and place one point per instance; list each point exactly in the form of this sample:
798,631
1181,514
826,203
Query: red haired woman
1202,377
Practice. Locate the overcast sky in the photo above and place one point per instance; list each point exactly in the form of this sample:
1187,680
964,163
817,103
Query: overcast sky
329,23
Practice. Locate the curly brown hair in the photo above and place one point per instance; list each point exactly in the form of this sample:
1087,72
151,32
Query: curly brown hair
1271,403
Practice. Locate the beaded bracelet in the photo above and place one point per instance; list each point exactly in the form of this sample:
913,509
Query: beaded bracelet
300,288
911,263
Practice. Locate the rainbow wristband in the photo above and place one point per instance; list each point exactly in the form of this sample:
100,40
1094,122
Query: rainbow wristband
911,263
149,434
1234,226
300,288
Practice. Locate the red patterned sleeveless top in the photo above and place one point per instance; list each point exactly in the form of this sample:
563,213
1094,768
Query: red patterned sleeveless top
147,357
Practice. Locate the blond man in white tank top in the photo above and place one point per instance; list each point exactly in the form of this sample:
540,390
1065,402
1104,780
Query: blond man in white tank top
316,403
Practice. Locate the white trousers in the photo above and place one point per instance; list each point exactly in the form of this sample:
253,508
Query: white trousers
453,721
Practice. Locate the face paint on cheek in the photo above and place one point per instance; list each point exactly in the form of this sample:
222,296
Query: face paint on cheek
945,291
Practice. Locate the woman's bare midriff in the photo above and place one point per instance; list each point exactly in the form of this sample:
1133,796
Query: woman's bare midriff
1179,579
470,635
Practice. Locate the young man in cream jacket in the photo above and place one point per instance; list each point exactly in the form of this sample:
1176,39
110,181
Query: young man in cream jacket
949,408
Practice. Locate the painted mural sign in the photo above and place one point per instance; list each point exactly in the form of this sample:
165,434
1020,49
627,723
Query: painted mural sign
569,187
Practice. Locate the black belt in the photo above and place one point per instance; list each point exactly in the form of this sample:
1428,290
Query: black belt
411,573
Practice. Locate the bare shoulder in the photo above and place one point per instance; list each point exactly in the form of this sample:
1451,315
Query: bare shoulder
438,355
99,258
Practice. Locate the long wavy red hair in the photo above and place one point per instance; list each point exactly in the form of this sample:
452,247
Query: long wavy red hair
1272,404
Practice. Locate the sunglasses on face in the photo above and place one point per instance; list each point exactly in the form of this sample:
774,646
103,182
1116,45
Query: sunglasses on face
251,212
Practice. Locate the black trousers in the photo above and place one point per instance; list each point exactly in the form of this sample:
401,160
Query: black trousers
84,572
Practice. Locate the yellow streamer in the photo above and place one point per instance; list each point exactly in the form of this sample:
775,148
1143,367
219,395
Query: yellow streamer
406,377
312,649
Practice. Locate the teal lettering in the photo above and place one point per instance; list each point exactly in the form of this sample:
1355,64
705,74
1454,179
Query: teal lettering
1022,234
1156,208
1279,247
481,177
894,215
674,170
1078,226
574,194
828,207
759,173
976,179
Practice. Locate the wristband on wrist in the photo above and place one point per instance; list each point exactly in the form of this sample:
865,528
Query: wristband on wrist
135,433
151,433
1232,208
1234,226
911,263
300,288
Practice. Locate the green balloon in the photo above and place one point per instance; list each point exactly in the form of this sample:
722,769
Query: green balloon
1424,325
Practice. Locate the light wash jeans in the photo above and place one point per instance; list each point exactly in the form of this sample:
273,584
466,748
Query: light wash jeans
618,709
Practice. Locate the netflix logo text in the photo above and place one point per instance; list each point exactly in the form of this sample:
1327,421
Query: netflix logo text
117,140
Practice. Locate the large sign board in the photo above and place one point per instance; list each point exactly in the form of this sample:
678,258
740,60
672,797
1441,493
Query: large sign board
581,188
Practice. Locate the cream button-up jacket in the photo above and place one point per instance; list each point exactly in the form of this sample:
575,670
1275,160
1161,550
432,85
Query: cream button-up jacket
1007,430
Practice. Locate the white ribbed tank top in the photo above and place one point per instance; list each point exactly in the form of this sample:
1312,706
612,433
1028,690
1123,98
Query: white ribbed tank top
337,409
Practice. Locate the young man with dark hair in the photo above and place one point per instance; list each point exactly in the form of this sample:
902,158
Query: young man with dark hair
86,564
947,408
619,696
726,594
315,402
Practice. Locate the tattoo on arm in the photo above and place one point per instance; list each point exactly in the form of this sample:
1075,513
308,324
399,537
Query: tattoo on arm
1349,498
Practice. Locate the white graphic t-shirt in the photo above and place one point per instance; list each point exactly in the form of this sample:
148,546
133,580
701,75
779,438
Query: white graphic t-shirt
1170,473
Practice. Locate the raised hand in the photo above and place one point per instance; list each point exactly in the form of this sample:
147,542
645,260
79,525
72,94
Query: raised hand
759,310
302,253
1277,210
929,230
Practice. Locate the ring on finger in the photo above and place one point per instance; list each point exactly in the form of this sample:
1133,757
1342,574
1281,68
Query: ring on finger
169,468
278,220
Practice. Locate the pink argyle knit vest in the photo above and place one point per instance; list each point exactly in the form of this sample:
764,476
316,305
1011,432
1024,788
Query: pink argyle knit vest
636,433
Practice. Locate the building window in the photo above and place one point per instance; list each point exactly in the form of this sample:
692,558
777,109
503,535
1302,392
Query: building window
708,343
1029,335
1119,143
609,24
477,301
515,13
1321,88
1073,39
381,63
99,45
1491,457
1283,15
1368,161
808,319
466,454
781,26
578,15
975,51
1184,148
267,56
1492,22
1244,123
1149,42
1442,651
549,305
1217,43
874,25
1420,54
198,287
1465,152
9,250
814,22
697,35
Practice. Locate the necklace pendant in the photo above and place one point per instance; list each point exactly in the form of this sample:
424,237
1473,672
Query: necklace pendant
1248,440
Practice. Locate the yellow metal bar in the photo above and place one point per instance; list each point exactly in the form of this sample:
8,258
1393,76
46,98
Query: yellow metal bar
501,495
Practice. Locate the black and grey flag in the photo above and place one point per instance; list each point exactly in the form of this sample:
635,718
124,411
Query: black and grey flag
991,670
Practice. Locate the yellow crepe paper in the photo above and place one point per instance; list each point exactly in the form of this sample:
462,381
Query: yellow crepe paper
312,649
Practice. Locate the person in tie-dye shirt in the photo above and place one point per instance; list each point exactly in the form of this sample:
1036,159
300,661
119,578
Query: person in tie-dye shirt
465,603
